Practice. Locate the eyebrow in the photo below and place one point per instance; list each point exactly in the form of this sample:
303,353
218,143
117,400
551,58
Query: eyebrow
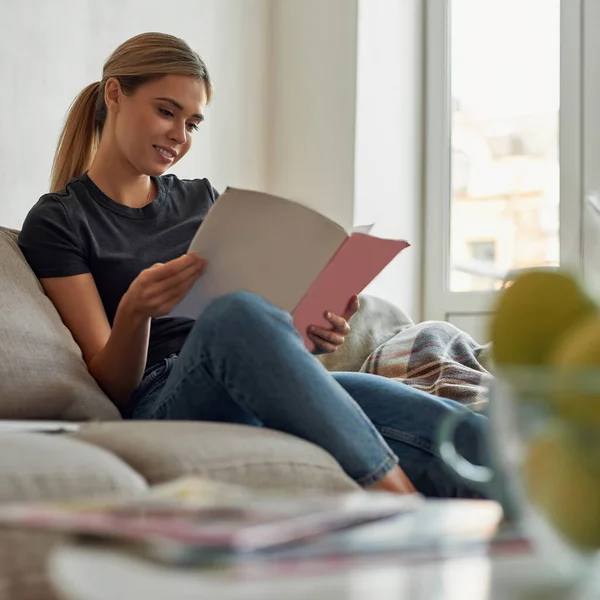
177,105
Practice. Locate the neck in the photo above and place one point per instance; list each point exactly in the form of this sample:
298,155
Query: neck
118,179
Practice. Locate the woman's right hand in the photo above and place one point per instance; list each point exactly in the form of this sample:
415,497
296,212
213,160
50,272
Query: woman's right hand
156,290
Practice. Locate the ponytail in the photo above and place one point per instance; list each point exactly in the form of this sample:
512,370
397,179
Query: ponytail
79,139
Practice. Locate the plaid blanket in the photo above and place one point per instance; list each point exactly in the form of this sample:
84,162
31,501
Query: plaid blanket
438,358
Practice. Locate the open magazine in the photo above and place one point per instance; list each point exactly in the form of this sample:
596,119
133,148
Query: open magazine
192,513
288,253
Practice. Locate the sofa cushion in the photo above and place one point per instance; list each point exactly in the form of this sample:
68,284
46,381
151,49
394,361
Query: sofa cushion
42,372
49,467
39,466
252,456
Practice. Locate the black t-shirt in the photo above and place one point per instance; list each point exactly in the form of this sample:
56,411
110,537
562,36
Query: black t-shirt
81,230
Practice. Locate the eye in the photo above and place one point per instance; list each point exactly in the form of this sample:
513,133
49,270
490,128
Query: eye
192,126
165,112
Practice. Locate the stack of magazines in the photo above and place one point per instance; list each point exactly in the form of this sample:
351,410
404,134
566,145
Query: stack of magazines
197,521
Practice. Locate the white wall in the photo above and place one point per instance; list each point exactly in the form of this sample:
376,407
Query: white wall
389,134
346,121
50,50
312,107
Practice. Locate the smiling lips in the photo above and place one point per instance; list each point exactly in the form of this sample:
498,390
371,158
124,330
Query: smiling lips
167,155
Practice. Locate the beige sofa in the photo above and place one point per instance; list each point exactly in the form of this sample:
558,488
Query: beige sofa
43,376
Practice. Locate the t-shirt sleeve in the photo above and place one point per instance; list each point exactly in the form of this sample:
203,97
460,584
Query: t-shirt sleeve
49,243
211,190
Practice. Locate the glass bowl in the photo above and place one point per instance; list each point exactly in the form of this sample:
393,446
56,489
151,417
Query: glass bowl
546,442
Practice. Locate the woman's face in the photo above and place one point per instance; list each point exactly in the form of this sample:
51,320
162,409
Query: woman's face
154,126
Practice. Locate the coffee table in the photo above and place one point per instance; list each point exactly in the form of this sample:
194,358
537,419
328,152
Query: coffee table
84,571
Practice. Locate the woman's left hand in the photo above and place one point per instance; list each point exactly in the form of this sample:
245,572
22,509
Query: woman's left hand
329,340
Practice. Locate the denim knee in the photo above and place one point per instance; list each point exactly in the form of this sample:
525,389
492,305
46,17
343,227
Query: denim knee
237,302
241,313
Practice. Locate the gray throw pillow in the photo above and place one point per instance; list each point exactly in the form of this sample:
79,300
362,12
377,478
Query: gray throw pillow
42,372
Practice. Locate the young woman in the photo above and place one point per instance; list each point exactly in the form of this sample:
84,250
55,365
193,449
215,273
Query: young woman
109,247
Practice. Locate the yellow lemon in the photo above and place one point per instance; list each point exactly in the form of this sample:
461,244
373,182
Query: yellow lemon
577,359
533,313
564,486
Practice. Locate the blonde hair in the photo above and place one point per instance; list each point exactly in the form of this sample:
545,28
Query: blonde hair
138,60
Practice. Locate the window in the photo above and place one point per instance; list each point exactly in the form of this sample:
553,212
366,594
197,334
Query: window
483,251
503,77
505,91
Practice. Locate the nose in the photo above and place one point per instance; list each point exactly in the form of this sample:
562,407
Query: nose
178,132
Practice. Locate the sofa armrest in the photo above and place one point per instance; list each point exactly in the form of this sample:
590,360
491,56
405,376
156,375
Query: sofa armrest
38,467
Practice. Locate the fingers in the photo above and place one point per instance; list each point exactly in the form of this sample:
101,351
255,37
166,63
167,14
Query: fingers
163,294
329,340
156,281
321,346
174,267
173,295
325,335
352,308
340,324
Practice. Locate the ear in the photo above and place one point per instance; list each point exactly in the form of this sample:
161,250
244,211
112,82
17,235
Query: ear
113,94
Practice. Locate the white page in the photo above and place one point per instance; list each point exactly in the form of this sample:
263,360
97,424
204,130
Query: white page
366,229
262,244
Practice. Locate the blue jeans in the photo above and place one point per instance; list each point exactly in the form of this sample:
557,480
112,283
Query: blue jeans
244,362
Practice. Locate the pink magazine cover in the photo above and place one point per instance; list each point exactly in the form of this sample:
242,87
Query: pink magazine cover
356,263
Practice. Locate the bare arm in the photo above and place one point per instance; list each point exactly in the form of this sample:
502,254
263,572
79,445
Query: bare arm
116,356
